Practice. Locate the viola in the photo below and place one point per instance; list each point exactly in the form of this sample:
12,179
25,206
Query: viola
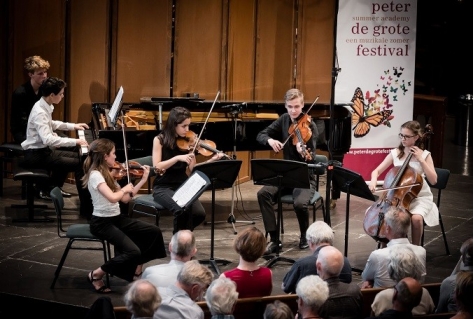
204,147
135,170
403,184
301,132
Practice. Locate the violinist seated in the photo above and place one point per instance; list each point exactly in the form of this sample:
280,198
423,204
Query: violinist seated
420,164
396,224
304,133
178,163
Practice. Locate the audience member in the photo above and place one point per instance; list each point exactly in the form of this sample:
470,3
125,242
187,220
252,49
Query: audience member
142,299
375,274
345,299
403,263
182,248
251,279
221,297
278,310
319,234
179,300
406,295
312,293
26,95
463,295
447,302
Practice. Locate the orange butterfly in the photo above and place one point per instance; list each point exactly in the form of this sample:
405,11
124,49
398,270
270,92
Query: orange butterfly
360,120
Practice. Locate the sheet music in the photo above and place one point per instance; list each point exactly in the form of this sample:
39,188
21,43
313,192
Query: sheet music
115,106
187,191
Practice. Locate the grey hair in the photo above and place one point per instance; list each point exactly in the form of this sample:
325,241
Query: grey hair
404,263
142,298
319,232
313,291
466,252
278,310
221,296
398,220
331,260
194,273
182,247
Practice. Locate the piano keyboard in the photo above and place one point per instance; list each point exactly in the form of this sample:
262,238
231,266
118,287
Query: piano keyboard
87,136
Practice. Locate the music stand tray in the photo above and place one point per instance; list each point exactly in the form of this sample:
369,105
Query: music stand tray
279,173
222,174
350,182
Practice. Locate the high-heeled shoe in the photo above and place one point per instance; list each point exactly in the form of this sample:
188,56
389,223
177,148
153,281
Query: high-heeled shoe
101,290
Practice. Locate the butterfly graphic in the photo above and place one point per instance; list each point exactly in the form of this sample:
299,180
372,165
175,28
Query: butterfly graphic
361,121
394,90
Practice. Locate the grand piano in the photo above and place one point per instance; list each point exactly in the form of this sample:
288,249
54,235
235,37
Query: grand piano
232,125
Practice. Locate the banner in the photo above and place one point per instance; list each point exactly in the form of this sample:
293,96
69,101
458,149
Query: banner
376,55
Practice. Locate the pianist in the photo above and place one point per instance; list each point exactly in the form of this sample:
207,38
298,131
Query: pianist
46,150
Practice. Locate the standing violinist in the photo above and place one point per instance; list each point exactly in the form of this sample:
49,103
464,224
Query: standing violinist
178,164
275,135
422,207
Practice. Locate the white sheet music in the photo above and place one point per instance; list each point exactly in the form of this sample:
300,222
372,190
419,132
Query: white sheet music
186,192
115,106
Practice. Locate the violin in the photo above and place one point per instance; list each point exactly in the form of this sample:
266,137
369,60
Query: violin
403,184
204,147
135,170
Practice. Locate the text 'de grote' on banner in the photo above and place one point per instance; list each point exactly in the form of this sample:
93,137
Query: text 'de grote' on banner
376,56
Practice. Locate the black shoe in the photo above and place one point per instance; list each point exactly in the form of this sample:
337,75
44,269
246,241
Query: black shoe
303,243
43,195
65,194
272,248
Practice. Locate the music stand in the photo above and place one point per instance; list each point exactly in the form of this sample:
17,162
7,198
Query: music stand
279,173
222,174
350,182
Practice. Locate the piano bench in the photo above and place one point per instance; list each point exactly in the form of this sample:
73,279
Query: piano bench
10,152
146,205
30,177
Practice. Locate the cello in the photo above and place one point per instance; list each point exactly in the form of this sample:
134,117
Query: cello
402,185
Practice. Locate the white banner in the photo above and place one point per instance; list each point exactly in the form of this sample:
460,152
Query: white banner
376,56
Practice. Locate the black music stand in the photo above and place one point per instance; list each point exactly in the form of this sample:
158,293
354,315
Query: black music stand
222,174
350,182
279,173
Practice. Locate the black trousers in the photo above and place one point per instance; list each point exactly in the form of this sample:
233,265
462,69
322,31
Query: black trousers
136,242
60,162
267,197
190,218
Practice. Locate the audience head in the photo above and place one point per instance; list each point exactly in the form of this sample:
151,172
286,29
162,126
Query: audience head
330,262
194,278
397,222
312,293
463,291
407,295
250,244
278,310
183,245
319,233
221,296
466,252
404,263
142,298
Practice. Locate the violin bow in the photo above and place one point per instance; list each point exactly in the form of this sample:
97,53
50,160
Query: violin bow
205,122
125,147
296,124
396,187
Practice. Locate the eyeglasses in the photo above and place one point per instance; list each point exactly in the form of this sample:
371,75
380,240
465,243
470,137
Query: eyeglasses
404,137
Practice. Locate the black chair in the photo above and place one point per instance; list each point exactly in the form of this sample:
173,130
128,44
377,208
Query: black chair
317,200
442,181
10,151
74,232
